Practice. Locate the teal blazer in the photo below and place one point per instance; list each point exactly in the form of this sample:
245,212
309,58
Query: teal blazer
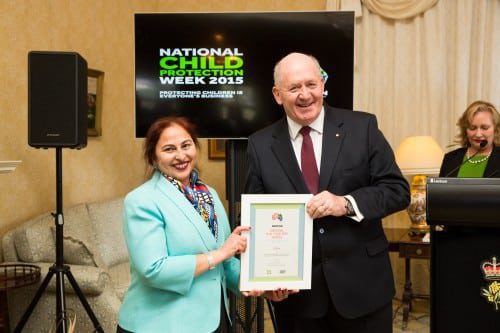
164,233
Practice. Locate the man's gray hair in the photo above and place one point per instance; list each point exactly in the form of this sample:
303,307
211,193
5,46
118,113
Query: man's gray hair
276,72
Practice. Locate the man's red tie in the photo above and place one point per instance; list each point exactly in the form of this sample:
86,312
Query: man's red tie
308,161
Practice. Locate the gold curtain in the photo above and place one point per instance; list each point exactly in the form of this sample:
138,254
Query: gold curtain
398,9
392,9
418,75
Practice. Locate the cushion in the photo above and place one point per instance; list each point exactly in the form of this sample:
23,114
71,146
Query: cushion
106,219
76,252
120,277
79,238
33,240
77,224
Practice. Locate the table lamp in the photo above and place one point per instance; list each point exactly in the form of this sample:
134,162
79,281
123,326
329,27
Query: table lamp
419,156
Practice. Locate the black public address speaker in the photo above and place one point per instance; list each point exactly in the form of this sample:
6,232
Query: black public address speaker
57,100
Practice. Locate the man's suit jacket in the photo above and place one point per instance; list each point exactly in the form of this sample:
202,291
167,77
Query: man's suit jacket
453,160
164,233
350,259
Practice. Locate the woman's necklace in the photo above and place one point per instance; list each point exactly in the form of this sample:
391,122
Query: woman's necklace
470,160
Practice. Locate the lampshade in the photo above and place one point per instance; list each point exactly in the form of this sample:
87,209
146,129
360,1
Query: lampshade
419,155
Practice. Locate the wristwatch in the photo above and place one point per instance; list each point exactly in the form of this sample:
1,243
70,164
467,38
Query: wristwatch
348,208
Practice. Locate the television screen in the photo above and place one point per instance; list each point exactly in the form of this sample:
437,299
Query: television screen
216,69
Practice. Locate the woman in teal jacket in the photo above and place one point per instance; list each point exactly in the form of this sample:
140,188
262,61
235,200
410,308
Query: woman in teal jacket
179,241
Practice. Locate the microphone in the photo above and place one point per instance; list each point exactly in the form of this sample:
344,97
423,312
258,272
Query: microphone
482,144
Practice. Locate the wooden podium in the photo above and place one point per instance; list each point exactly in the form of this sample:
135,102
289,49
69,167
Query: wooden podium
464,214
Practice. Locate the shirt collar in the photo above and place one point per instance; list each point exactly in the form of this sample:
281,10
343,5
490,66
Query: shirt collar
316,125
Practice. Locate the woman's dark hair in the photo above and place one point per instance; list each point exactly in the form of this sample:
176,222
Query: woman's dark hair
154,133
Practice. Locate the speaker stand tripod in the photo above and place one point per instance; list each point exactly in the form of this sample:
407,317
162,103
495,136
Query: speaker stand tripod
59,270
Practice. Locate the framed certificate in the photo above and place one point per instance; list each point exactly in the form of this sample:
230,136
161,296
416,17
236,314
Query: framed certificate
279,248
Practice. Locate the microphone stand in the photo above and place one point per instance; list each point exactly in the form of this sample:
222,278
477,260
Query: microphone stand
59,269
481,147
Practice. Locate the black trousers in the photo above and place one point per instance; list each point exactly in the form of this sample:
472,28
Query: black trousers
224,324
379,321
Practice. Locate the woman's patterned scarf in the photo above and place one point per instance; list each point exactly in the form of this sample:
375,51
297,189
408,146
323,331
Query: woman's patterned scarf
199,196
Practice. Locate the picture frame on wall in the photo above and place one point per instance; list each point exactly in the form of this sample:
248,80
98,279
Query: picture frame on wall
216,149
95,80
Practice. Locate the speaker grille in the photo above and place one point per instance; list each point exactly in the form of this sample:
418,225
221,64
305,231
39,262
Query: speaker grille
57,100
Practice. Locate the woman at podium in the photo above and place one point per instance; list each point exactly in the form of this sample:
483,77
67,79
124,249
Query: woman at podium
479,138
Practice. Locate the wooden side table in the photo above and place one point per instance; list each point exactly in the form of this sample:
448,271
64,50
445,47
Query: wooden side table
394,236
412,247
14,276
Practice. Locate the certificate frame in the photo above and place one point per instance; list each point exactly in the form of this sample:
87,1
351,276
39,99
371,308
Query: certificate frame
279,243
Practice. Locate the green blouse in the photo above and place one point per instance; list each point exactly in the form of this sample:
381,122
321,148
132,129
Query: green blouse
474,168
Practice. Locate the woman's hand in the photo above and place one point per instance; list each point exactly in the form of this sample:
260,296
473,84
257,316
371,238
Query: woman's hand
235,243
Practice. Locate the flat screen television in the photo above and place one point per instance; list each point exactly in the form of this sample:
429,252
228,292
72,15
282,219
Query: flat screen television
216,69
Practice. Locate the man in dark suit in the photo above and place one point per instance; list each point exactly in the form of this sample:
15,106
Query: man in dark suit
345,161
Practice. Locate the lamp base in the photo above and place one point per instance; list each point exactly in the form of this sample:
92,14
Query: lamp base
418,230
416,209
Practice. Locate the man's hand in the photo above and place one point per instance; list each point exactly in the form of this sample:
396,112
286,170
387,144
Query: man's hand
326,204
279,295
274,295
253,293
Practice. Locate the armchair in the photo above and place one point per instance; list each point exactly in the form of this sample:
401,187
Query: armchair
95,249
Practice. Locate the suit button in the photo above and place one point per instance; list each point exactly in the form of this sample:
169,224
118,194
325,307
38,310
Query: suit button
321,230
